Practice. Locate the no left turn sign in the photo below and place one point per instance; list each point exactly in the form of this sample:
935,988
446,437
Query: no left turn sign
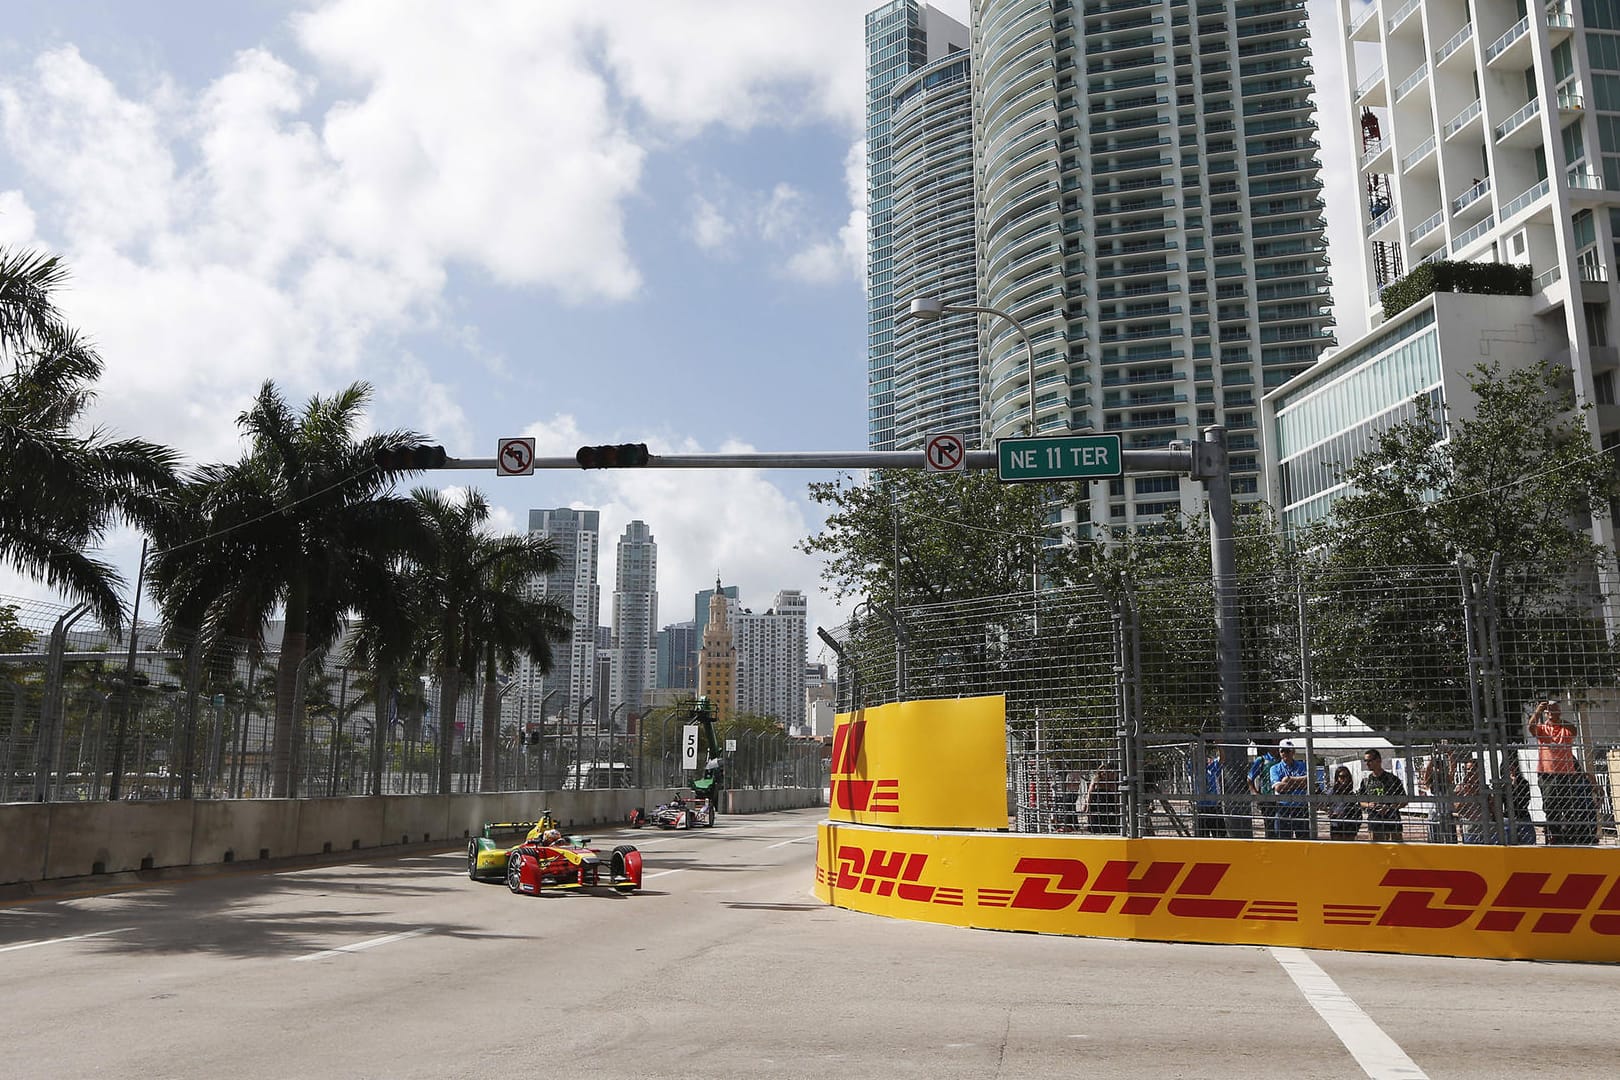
945,454
515,457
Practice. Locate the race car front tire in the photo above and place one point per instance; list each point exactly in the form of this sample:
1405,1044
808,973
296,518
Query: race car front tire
472,861
514,873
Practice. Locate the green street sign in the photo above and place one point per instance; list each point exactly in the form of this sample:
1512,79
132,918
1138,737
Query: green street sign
1059,457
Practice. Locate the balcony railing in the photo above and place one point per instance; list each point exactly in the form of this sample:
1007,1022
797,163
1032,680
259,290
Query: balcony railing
1460,121
1401,14
1518,119
1361,20
1544,280
1457,41
1411,81
1425,227
1424,149
1485,225
1586,179
1369,82
1471,196
1526,198
1502,44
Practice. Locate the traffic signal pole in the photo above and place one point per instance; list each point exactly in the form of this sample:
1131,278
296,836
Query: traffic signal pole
1204,460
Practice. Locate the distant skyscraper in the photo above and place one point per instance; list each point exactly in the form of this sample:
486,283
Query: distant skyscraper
677,656
717,659
574,586
770,660
901,37
635,619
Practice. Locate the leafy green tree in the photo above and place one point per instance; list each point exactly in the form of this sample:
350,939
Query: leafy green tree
288,527
62,490
1509,491
959,537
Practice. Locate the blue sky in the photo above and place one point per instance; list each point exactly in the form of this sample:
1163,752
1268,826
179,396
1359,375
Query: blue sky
581,221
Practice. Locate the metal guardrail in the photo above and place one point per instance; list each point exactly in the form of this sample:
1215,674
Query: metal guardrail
1112,703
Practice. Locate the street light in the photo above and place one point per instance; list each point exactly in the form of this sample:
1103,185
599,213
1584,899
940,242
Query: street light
932,309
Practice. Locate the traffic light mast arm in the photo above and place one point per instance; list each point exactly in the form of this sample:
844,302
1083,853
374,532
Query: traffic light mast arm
1135,460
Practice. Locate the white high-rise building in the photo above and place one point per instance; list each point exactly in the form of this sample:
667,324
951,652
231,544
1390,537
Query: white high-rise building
572,678
1149,208
635,622
770,659
1489,133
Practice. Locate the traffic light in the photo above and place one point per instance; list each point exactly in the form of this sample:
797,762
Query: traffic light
630,455
409,458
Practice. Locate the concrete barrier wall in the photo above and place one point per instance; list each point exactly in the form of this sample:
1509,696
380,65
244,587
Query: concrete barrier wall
25,829
109,838
39,841
244,829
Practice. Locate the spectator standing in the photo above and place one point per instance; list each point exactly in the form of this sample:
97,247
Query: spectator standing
1566,795
1519,826
1290,781
1344,812
1382,796
1260,785
1472,814
1101,804
1211,815
1437,781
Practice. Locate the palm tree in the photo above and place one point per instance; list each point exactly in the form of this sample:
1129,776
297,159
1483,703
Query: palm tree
59,491
387,643
464,571
288,526
505,623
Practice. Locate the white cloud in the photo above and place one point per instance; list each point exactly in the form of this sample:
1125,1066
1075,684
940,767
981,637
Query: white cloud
17,222
304,211
710,229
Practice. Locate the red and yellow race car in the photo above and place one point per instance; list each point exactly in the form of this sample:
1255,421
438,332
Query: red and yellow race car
487,852
554,861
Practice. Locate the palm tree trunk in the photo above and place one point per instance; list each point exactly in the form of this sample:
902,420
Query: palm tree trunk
381,726
449,692
294,643
489,752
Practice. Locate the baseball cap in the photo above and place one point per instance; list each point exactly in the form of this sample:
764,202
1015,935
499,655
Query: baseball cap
1286,744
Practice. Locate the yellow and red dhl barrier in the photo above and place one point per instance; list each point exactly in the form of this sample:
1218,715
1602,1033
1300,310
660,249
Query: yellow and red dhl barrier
925,764
1496,902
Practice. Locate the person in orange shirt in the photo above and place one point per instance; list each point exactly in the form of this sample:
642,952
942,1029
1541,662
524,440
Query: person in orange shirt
1566,792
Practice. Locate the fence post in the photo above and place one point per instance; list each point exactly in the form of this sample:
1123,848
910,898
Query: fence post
188,746
1305,693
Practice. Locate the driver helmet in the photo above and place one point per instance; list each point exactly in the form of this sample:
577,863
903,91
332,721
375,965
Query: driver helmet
551,836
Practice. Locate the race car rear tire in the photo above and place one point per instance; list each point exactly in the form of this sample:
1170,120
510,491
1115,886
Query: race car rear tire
472,861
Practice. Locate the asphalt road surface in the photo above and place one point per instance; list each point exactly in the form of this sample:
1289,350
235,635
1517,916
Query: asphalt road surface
724,966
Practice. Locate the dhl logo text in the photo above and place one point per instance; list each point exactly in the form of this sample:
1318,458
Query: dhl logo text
887,873
1442,899
1186,890
858,793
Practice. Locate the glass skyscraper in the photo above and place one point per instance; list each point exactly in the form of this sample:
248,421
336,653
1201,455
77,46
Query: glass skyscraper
901,37
1149,208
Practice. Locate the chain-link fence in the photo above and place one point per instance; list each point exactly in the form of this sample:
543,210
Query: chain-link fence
1407,692
84,717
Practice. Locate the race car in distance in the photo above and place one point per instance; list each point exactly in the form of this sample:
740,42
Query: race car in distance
486,852
681,813
555,861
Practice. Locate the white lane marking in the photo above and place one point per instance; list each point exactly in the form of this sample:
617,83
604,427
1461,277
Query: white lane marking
370,943
661,873
1378,1055
59,940
795,840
